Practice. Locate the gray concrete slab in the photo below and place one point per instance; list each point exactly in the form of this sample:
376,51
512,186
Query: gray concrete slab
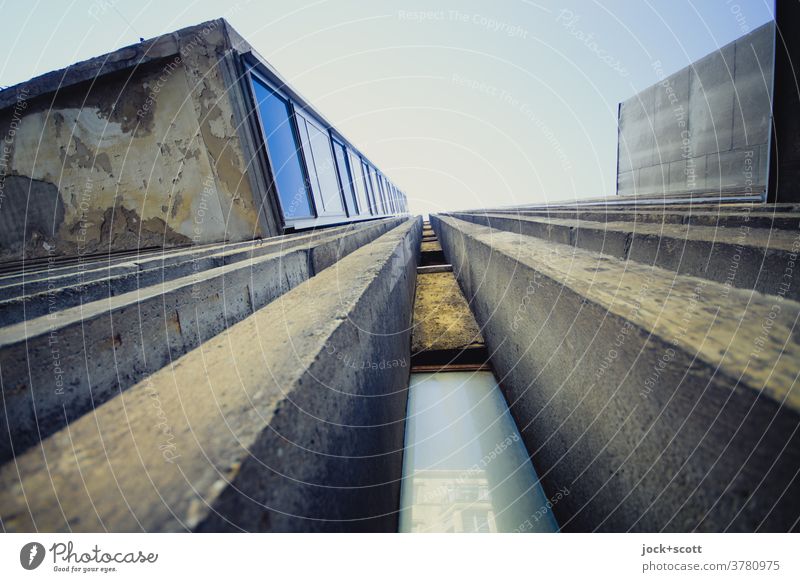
733,167
742,257
652,179
715,105
291,420
671,116
657,398
73,271
82,287
90,353
711,102
754,69
721,216
636,137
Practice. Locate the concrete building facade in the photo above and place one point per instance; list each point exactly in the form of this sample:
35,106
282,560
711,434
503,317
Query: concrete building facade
163,144
705,128
627,364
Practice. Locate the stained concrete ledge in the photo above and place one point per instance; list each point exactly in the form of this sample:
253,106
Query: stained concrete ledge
76,274
291,420
68,290
442,319
744,257
90,353
754,217
664,402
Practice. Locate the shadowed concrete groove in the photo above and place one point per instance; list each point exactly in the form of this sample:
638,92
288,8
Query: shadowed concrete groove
456,413
445,334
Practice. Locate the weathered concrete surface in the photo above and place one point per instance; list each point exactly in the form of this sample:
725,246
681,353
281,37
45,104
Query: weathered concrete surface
60,293
89,353
752,217
703,128
743,257
662,401
145,155
442,319
430,246
290,420
38,276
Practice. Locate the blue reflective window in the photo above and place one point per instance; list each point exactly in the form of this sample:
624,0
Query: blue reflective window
345,177
370,185
379,180
376,194
287,170
384,196
320,165
358,181
385,192
390,191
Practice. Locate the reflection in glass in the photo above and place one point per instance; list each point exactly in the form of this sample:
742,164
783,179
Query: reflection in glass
376,194
393,195
465,468
345,178
358,181
320,165
392,198
370,185
287,170
382,189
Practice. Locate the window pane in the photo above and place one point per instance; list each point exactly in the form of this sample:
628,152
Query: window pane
382,191
345,178
370,182
376,194
358,180
281,141
311,169
385,193
321,167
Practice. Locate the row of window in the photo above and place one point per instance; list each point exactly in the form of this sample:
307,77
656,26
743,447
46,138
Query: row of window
317,175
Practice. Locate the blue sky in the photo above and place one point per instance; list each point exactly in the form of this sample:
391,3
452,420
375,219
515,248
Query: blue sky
463,104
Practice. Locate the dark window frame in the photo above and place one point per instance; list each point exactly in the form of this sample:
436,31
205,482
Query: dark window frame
254,67
311,120
346,172
262,130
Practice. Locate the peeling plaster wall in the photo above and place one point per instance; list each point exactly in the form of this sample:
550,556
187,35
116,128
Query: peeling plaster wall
212,102
144,157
